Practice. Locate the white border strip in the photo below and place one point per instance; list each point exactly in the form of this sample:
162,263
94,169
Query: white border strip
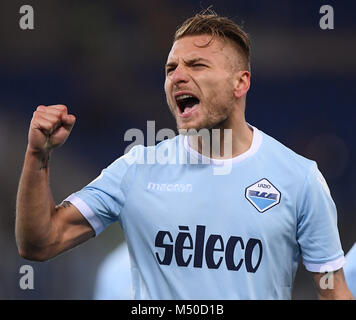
86,212
325,267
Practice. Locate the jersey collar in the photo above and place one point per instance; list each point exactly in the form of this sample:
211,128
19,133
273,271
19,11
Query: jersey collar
255,145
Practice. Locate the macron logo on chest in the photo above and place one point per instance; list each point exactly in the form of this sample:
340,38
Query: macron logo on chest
170,187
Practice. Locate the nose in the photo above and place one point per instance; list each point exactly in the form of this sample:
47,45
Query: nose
179,75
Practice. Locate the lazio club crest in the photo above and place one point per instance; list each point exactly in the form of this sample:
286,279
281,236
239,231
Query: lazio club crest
263,195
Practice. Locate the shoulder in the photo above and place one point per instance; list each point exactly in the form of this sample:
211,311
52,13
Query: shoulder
292,167
301,175
284,157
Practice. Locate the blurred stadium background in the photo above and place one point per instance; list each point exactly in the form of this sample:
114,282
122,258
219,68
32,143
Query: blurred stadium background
105,61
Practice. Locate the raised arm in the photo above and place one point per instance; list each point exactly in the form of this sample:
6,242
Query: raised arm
43,230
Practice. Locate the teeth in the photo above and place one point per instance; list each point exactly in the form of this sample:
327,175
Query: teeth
184,96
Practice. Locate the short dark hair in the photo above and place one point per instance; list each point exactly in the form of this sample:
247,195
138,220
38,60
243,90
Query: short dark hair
210,23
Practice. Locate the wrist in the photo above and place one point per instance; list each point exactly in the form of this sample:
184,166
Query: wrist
39,156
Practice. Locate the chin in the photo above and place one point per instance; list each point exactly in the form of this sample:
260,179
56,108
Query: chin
186,127
198,125
187,131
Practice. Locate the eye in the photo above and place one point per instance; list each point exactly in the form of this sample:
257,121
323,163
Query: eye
169,70
199,65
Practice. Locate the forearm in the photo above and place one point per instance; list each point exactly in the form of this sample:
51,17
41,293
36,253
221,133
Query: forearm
344,295
35,205
332,286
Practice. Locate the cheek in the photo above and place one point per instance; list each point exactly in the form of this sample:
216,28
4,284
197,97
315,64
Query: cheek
219,91
167,90
217,83
220,98
225,87
166,86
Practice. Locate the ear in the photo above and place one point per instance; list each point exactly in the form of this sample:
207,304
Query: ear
242,83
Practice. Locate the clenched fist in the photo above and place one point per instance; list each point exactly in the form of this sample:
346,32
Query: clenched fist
50,127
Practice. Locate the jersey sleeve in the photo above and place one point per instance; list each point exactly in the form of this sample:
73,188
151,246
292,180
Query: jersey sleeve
102,200
317,231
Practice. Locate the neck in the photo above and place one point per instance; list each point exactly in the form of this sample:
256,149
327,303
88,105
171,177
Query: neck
227,140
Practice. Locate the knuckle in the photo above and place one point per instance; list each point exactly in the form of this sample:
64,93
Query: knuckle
41,108
57,113
36,114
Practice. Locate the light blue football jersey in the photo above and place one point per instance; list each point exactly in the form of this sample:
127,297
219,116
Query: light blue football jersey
195,232
350,270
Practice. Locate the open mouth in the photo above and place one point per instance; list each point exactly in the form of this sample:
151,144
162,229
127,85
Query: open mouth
186,103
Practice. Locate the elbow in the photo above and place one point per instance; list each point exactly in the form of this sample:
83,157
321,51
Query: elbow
33,255
32,252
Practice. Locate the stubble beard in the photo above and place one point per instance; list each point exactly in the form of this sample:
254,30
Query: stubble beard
213,115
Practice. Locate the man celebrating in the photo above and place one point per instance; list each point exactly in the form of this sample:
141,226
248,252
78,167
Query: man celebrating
193,234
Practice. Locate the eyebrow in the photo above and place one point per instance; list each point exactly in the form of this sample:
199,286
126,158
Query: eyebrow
188,62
